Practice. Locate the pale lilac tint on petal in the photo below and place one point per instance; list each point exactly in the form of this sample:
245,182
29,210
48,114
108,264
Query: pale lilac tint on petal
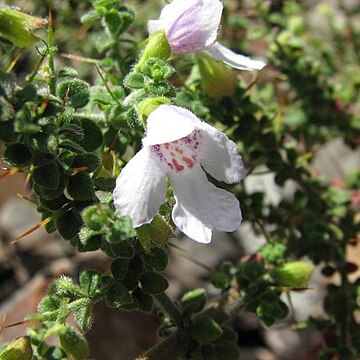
170,14
201,206
190,25
168,123
219,156
229,57
140,188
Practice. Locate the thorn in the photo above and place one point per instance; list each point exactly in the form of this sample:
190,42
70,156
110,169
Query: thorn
37,226
22,322
24,197
14,62
27,180
79,58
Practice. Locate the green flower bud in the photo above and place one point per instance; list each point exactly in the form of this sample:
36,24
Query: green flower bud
296,274
147,106
18,27
157,46
19,349
74,343
158,231
218,80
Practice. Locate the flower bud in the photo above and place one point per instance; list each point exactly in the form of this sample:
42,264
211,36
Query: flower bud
74,343
147,106
18,27
157,46
296,274
19,349
158,231
218,80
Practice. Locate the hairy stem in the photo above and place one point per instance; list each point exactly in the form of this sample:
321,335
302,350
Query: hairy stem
172,347
52,75
170,308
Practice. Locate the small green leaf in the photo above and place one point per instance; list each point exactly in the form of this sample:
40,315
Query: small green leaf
252,269
157,259
90,17
89,161
67,71
76,92
55,353
93,137
121,249
227,350
153,283
47,175
68,224
90,281
7,132
134,81
89,240
28,93
117,21
49,303
55,203
83,318
144,300
81,187
118,296
105,184
119,268
220,280
18,155
205,329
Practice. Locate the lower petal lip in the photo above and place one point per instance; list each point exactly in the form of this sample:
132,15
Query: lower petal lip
229,57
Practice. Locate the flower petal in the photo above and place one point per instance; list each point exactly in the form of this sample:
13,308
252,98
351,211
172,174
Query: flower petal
190,25
237,61
201,206
168,123
219,156
140,188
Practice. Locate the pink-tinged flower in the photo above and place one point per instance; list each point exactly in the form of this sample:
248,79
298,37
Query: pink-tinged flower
192,25
180,146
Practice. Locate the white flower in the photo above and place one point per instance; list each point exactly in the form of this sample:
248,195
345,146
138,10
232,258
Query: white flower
179,146
192,25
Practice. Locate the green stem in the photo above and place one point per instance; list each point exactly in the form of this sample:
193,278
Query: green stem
169,307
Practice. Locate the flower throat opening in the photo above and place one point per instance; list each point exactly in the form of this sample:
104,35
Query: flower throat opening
179,155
